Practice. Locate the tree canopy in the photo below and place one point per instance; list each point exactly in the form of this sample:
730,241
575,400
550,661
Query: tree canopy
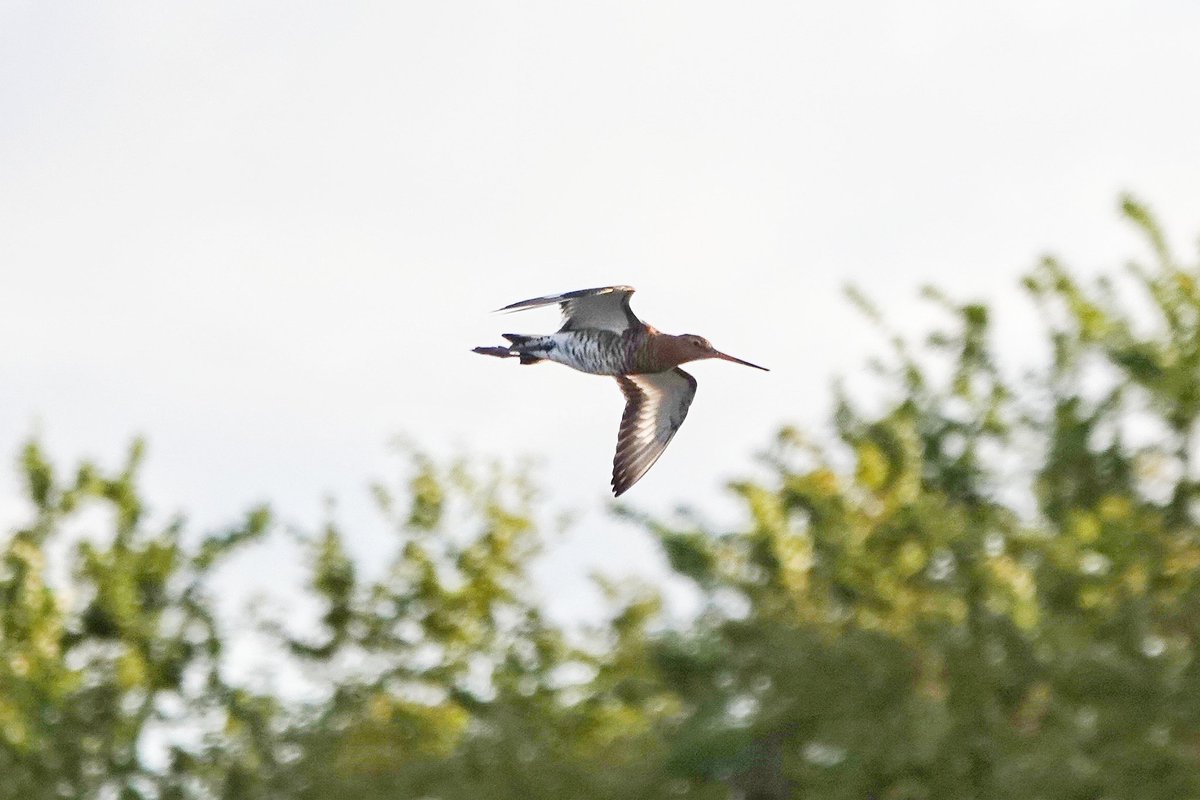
976,584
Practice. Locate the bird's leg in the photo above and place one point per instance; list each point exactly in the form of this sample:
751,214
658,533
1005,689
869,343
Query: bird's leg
498,352
515,349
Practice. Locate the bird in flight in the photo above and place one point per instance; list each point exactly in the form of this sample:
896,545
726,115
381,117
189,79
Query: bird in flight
602,336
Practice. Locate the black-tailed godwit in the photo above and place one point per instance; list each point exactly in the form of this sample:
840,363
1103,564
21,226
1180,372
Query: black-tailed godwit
602,336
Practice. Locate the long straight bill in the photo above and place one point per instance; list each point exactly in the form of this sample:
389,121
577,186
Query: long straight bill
719,354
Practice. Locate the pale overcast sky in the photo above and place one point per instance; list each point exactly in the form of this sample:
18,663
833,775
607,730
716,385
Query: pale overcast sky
266,235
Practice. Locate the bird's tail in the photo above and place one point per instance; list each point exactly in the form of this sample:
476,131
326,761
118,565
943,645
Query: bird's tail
513,350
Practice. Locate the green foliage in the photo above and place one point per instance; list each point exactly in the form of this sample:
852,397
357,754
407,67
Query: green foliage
998,600
980,587
93,670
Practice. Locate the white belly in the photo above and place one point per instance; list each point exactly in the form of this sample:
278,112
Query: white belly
595,352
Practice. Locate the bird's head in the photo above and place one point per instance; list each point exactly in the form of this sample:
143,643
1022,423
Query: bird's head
690,347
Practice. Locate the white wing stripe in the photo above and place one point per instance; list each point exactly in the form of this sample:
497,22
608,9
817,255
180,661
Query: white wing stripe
655,406
603,308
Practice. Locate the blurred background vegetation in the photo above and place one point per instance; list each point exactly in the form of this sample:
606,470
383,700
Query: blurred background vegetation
980,585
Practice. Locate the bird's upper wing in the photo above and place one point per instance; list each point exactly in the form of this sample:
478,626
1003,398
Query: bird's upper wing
605,308
655,406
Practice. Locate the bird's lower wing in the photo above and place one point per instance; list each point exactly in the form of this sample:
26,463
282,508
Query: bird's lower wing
656,404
